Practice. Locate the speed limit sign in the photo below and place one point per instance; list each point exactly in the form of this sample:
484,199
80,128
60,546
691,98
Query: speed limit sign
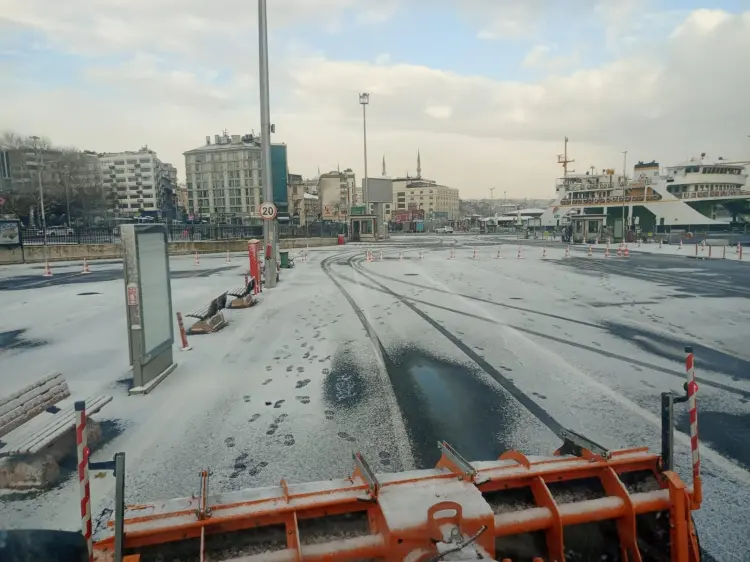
268,211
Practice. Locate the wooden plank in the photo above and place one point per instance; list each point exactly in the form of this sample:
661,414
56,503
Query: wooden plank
62,422
56,428
6,404
33,408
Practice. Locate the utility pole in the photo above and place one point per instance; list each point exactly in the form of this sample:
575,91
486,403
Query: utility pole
66,175
492,192
269,226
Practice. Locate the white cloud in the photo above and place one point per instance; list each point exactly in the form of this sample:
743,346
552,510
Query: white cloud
383,58
541,57
439,111
683,96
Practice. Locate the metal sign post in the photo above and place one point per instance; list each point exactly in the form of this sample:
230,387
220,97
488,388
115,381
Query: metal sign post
148,300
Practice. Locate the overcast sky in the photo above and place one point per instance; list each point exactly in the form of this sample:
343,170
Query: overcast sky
485,89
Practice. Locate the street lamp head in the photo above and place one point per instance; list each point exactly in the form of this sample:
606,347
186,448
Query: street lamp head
364,98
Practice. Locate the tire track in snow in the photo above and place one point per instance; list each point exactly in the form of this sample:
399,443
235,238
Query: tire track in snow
530,405
402,442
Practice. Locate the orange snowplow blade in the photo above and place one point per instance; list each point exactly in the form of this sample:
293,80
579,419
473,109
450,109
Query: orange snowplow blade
616,507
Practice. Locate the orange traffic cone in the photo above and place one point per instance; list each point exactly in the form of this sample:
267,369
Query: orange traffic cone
85,267
196,260
47,269
626,253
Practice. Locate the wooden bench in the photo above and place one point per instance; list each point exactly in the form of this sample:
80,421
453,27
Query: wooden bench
243,296
33,444
210,318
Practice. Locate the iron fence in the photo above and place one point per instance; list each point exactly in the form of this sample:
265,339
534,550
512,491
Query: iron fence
178,233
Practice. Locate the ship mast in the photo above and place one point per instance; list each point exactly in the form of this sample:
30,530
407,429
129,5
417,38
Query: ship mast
563,159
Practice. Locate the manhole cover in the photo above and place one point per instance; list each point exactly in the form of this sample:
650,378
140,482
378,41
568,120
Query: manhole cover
87,294
411,274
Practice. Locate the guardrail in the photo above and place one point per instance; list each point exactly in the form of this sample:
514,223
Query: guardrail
178,233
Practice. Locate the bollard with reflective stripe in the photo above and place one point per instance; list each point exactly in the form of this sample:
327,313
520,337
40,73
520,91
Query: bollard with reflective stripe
183,335
83,475
692,390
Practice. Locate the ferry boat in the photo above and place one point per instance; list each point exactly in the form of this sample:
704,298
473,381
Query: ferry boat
700,194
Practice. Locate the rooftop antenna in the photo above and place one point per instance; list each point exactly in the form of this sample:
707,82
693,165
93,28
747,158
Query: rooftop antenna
563,159
419,166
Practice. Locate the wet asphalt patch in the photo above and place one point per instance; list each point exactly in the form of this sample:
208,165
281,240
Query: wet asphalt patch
13,339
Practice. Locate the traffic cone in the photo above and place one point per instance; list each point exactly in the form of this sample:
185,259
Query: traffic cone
520,253
737,249
591,251
196,260
567,251
626,253
680,248
228,259
85,267
619,252
606,252
47,269
544,253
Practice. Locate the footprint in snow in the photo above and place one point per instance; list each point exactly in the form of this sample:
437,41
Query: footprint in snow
304,399
306,355
229,442
265,382
289,368
326,371
257,468
300,369
302,383
246,398
253,418
304,344
329,414
288,439
385,458
272,429
268,368
279,403
345,435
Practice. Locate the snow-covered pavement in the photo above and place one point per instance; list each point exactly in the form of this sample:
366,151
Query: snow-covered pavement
387,357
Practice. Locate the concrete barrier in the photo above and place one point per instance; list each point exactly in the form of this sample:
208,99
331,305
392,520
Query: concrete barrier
77,252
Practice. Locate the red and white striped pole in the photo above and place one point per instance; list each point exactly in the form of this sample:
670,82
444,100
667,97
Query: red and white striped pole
183,335
692,390
83,475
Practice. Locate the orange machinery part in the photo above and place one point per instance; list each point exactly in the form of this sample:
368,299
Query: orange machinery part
404,510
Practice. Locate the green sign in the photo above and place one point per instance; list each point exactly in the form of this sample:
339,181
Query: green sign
359,210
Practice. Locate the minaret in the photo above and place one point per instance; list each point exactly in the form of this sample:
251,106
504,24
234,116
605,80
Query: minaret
419,166
383,174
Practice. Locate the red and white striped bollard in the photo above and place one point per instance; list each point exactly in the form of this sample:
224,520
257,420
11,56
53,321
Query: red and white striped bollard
82,452
183,335
692,390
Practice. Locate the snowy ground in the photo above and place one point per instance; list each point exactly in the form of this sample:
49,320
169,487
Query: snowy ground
390,356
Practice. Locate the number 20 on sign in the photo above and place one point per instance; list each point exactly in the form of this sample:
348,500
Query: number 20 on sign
268,211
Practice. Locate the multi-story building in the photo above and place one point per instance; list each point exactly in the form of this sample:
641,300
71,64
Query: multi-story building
437,201
141,181
224,179
335,193
304,203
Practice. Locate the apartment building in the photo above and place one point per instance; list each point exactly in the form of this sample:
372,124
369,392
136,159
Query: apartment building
144,185
224,180
439,202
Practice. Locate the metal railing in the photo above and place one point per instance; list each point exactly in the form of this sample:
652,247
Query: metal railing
178,233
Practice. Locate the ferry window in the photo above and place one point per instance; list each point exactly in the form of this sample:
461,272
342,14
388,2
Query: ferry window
593,227
579,227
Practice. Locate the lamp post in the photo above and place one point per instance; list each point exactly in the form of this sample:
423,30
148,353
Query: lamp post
624,185
269,237
364,100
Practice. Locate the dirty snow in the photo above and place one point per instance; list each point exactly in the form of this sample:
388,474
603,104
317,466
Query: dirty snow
486,353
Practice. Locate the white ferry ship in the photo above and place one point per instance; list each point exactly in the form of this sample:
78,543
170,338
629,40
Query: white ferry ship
700,194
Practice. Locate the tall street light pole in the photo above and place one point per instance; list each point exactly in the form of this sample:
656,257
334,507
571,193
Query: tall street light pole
624,186
269,238
364,99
